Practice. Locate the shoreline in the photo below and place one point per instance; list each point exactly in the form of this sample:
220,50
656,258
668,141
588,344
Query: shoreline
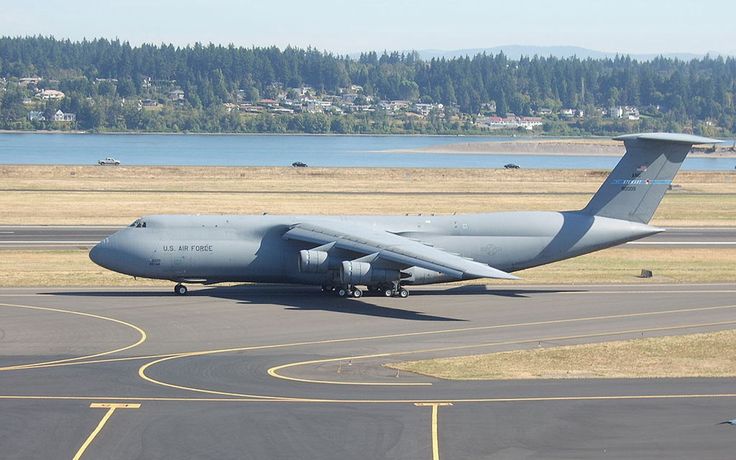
166,133
553,147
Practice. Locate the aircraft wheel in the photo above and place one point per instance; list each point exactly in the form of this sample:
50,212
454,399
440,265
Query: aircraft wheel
180,289
341,292
388,293
357,293
328,288
403,293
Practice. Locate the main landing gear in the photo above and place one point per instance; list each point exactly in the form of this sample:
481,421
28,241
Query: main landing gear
400,292
349,291
180,289
386,290
393,290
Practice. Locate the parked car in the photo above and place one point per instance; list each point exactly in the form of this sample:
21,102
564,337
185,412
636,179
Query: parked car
109,161
511,166
299,164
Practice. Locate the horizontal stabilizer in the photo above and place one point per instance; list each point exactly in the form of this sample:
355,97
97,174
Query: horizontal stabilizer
669,137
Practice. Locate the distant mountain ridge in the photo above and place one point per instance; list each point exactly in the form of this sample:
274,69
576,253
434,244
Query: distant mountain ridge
516,51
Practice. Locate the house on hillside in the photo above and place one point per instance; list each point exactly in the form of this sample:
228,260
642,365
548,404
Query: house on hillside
25,81
65,117
631,113
36,115
229,107
148,103
425,109
176,95
50,94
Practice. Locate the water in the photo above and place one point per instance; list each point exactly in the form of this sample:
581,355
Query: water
282,150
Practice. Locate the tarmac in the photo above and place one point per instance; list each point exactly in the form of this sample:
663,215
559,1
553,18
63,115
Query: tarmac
86,236
289,373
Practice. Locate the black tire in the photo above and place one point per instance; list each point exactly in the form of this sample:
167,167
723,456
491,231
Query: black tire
403,293
180,289
388,293
357,293
341,292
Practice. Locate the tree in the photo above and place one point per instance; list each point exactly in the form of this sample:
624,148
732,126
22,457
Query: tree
501,105
89,116
678,93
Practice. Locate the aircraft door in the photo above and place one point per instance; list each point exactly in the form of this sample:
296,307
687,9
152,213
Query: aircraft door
179,264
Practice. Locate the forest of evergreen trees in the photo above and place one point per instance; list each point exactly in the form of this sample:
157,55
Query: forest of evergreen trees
105,80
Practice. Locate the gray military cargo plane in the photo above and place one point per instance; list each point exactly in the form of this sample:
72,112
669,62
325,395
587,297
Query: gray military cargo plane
386,253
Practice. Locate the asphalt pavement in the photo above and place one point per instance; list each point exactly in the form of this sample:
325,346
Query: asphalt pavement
289,373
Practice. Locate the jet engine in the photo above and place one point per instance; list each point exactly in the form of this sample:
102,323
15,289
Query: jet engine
311,261
365,274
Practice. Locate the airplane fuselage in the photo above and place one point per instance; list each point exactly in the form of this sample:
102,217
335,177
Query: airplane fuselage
219,248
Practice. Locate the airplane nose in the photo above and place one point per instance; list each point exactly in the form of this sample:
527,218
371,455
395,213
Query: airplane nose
118,253
106,253
103,255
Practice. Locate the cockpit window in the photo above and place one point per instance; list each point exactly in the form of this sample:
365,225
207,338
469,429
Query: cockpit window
138,224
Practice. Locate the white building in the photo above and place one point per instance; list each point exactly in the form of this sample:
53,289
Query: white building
61,116
426,109
176,95
25,81
50,94
36,115
631,113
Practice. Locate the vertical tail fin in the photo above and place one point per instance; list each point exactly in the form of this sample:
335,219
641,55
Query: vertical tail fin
639,181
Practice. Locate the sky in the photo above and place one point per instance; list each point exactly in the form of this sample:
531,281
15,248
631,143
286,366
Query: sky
625,26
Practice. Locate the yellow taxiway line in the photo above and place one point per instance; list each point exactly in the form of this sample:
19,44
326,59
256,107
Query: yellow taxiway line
140,340
111,408
435,428
496,400
274,371
142,370
88,359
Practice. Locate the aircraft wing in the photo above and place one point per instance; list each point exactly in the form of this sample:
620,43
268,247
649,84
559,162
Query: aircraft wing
391,247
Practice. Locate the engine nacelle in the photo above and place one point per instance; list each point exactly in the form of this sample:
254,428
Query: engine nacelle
313,261
364,273
416,275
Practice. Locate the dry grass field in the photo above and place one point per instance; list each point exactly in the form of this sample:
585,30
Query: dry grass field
72,267
694,355
69,195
